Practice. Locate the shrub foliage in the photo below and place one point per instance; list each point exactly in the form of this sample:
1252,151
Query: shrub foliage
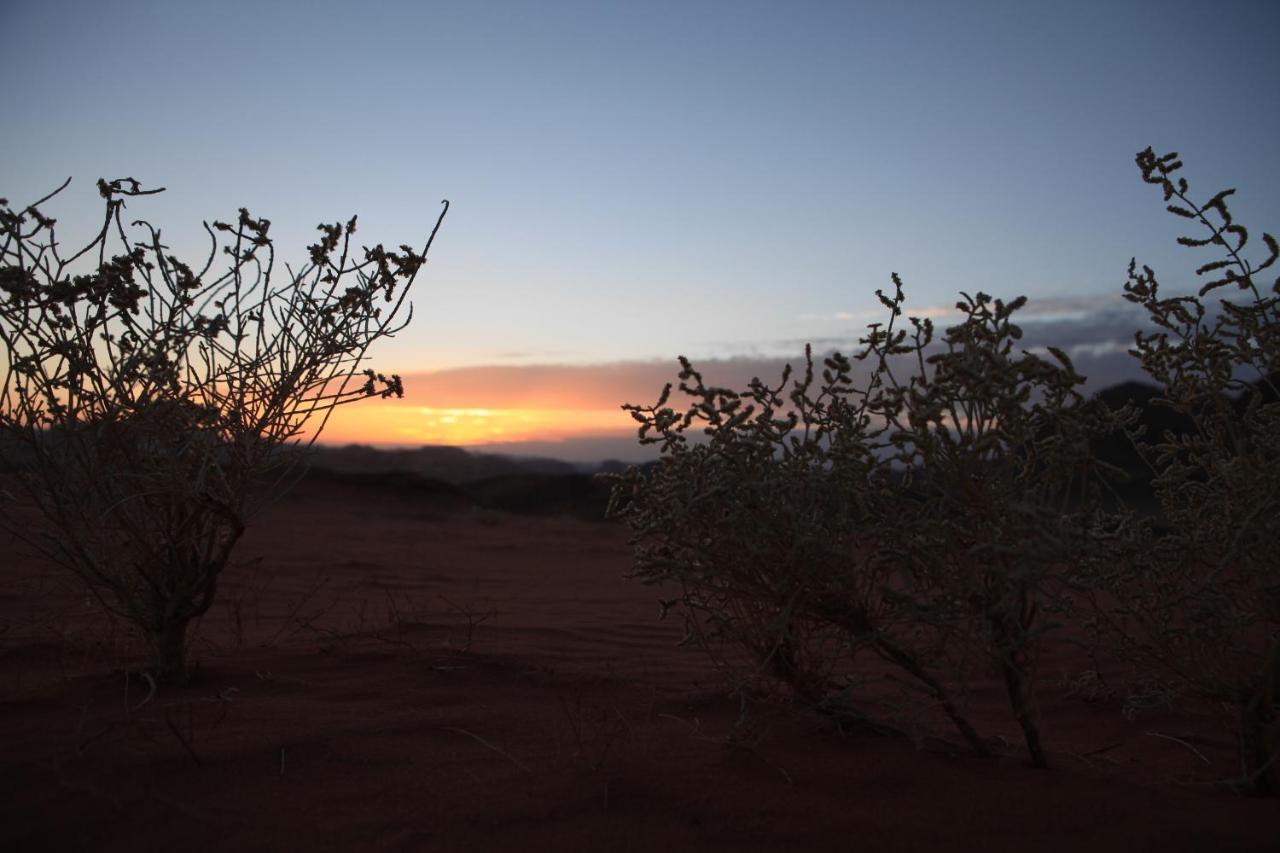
147,405
1197,607
932,505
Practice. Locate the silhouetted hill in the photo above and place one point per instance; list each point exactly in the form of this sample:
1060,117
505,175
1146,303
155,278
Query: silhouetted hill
1117,449
450,464
13,456
398,484
1266,389
456,478
614,466
460,478
1160,422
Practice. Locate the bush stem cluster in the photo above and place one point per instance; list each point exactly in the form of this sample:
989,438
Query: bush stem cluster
934,504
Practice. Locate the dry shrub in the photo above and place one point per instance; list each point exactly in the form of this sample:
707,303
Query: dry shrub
1195,606
147,408
943,512
912,516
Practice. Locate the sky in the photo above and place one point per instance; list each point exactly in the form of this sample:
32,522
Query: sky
631,182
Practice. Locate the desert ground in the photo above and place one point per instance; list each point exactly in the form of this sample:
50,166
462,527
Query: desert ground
389,668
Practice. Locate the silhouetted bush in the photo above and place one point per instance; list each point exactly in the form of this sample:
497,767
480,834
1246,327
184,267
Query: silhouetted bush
937,514
1198,608
148,406
915,517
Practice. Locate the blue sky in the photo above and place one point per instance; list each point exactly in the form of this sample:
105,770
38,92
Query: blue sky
635,181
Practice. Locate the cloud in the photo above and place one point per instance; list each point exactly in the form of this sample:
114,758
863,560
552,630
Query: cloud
570,387
1037,309
1101,338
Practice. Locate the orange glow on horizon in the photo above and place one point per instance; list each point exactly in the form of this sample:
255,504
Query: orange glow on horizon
403,423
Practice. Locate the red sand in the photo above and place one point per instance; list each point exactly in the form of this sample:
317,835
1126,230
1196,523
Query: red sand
339,707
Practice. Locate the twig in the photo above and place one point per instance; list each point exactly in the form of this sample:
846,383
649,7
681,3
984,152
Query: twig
695,728
500,751
756,752
307,596
1195,751
151,690
182,739
81,742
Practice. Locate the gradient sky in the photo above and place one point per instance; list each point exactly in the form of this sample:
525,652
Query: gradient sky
631,182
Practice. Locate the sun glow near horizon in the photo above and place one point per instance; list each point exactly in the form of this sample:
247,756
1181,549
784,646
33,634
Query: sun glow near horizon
392,423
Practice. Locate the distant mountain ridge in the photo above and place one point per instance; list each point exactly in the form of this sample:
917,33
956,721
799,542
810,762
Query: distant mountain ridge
453,465
459,478
546,486
1159,422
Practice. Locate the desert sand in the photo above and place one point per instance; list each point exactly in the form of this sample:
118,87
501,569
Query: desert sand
392,671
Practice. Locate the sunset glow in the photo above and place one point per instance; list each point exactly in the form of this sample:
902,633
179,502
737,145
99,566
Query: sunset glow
397,423
630,183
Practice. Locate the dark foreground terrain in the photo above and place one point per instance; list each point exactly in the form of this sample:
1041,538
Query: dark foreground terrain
392,668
